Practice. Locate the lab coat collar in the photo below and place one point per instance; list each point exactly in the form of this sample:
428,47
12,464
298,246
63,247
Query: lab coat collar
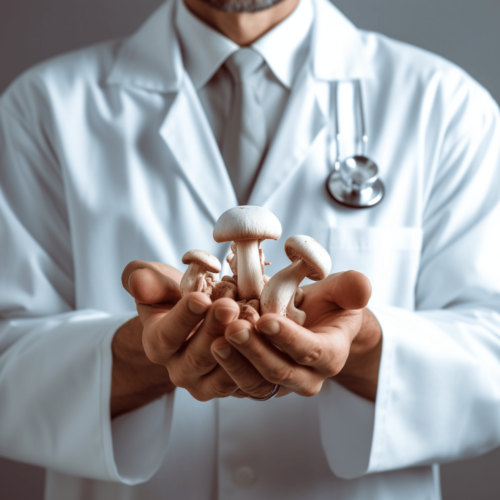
338,49
152,58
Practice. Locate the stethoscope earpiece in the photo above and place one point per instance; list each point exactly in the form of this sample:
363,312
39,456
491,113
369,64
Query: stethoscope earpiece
355,180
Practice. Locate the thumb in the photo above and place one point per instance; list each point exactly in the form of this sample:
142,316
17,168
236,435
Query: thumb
346,290
152,282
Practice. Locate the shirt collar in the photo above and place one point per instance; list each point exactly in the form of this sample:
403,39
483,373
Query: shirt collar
284,48
204,49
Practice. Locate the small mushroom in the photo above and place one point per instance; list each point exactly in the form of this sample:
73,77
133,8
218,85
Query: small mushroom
225,289
247,226
231,279
233,263
196,277
309,259
249,310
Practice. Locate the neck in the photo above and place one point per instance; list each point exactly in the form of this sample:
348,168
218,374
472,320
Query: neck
243,28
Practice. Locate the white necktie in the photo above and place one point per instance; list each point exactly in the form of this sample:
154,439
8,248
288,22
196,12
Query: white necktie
244,140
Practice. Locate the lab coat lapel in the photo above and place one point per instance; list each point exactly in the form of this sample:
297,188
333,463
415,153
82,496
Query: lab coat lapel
300,125
151,59
190,138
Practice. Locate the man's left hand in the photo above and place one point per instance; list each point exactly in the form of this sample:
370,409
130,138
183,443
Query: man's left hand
341,339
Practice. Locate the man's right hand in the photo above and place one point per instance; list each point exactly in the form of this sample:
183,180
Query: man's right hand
164,335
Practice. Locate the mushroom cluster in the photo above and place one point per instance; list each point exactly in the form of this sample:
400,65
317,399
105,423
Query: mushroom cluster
246,227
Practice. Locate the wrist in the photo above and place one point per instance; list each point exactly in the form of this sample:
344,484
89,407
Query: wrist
360,372
135,380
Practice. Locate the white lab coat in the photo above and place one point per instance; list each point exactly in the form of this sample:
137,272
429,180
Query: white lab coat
106,157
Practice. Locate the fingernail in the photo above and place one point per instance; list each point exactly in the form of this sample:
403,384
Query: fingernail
240,337
225,315
224,351
270,328
197,307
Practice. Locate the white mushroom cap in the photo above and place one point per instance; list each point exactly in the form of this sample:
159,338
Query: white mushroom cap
312,253
202,258
247,223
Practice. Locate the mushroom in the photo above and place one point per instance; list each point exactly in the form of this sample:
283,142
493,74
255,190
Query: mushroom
309,259
224,288
196,277
249,310
233,263
247,226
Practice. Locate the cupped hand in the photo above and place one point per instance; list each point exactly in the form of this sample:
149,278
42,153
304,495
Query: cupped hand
178,331
299,359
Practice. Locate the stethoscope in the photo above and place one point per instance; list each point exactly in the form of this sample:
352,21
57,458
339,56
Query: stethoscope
354,181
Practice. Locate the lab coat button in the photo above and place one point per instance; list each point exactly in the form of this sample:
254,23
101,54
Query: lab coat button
244,476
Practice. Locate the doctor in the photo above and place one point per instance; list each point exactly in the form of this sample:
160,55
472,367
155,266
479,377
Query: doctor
120,152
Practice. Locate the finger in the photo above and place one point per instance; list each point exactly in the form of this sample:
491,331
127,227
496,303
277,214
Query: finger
246,377
216,384
274,365
155,293
165,334
152,282
347,290
325,350
195,358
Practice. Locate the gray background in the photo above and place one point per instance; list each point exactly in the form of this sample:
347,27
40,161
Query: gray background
466,32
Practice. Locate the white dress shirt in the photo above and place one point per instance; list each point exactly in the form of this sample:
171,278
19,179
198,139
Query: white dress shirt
204,51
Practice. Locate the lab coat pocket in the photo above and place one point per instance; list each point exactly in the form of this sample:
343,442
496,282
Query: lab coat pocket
388,256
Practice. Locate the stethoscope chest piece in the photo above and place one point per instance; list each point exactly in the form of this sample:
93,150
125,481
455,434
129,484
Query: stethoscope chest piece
355,180
356,183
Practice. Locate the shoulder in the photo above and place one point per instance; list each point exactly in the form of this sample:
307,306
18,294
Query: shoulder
55,79
432,80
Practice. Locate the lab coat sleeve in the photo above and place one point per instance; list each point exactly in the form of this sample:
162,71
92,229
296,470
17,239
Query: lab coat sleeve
438,395
55,361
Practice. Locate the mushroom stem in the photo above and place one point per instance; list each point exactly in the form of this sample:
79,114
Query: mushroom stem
293,313
249,269
281,288
193,279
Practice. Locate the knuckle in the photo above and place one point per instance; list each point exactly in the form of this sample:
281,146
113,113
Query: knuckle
198,363
177,379
332,370
311,390
312,357
154,350
260,389
159,341
223,387
282,375
199,395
